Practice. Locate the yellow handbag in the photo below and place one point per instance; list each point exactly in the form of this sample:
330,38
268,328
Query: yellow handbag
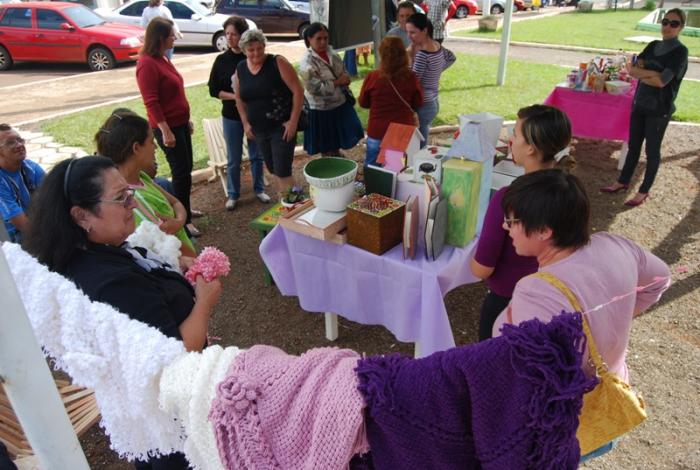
612,408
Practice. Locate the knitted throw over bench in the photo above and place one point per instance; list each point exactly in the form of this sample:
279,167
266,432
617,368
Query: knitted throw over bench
511,402
277,411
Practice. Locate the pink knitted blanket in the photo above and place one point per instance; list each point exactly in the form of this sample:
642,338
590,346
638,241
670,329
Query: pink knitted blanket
276,411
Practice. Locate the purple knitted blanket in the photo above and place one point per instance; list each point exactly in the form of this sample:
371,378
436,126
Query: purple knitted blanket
511,402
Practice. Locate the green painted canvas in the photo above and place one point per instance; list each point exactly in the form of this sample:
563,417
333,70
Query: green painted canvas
461,181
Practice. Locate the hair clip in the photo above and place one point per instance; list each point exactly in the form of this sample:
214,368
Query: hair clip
117,116
102,129
561,154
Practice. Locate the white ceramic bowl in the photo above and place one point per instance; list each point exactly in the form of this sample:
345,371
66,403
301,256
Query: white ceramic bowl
331,182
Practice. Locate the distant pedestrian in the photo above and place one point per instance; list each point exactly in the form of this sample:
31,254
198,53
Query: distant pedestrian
156,9
163,92
392,94
429,60
437,14
405,10
660,69
333,122
269,98
220,86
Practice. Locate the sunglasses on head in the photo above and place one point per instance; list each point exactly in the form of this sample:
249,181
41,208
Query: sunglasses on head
671,23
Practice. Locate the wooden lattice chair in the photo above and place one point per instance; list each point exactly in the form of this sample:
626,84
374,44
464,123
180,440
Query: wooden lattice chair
80,405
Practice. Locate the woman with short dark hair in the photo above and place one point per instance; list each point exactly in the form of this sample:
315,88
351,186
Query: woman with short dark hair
333,122
612,278
429,59
540,140
220,87
660,69
163,92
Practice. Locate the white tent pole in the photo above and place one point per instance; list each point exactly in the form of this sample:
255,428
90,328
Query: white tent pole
505,40
30,386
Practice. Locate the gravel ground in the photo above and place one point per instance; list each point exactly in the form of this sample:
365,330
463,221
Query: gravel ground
664,349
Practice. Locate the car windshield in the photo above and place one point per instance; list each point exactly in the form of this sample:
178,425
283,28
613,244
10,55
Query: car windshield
198,7
83,17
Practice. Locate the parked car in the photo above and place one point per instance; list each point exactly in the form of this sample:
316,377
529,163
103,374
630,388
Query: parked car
457,9
499,6
63,32
272,16
198,25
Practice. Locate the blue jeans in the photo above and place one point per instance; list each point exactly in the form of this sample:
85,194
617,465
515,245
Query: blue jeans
426,114
349,61
233,135
164,183
372,151
604,449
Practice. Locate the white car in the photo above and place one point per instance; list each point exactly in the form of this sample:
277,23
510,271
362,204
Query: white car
198,25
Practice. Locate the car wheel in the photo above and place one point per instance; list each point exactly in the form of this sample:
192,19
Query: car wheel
219,42
5,59
301,29
462,12
496,10
99,59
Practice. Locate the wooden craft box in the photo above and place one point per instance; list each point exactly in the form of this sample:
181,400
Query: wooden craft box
461,182
375,223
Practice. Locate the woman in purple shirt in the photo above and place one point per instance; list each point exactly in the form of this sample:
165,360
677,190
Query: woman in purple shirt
540,140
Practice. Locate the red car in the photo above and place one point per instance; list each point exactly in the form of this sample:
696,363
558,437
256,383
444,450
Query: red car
64,32
457,9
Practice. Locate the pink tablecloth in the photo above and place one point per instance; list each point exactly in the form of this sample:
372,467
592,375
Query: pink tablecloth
595,115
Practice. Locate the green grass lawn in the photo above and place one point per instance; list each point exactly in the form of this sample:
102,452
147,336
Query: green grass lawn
598,29
467,87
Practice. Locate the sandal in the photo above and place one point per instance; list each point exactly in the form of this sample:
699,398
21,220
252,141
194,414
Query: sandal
637,202
613,189
194,232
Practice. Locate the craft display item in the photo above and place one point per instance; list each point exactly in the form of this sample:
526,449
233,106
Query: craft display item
375,223
461,185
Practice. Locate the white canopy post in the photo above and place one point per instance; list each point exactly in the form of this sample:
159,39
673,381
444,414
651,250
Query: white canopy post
505,41
30,386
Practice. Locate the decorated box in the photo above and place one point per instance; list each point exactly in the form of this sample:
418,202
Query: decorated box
375,223
461,184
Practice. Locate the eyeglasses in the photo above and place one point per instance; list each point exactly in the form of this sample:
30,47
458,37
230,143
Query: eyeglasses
11,143
509,222
671,23
126,200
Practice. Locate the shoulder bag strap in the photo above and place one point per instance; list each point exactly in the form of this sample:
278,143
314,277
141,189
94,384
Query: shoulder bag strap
561,287
400,97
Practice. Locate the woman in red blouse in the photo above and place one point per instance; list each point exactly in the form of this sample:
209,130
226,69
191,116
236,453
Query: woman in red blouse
392,94
163,92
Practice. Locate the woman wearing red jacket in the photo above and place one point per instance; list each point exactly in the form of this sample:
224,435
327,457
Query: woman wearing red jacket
163,92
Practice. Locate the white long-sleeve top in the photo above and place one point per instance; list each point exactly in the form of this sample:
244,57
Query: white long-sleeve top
162,11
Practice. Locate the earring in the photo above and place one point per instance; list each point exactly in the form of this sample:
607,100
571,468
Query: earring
88,230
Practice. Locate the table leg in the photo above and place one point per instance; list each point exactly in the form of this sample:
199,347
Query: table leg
623,156
331,326
416,350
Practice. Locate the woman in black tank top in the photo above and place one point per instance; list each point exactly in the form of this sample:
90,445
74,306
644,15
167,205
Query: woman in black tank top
270,99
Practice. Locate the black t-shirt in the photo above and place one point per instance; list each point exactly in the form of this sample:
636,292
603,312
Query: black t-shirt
220,80
671,62
267,98
160,298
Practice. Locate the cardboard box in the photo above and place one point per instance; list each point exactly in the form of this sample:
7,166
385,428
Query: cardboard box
375,223
461,184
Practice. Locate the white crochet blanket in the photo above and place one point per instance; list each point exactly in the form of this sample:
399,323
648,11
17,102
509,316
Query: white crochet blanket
148,235
187,388
121,359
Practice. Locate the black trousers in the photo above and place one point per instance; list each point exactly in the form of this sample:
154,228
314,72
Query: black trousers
492,307
176,461
650,129
180,161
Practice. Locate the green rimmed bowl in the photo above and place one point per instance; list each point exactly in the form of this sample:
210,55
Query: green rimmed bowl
332,182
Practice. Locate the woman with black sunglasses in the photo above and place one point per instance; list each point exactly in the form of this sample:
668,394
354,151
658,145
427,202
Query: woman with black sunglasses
660,69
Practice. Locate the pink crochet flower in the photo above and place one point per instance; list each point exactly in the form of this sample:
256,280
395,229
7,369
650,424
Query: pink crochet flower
210,264
237,394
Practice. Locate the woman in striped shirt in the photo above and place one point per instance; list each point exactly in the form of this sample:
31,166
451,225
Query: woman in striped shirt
429,59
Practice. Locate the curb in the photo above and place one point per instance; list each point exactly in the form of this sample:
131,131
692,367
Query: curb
552,46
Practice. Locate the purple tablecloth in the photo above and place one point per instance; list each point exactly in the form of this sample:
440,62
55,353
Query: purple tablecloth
406,296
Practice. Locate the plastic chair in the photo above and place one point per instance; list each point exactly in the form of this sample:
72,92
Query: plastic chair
216,145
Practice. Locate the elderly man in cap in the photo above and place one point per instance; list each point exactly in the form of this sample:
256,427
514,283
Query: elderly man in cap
19,178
